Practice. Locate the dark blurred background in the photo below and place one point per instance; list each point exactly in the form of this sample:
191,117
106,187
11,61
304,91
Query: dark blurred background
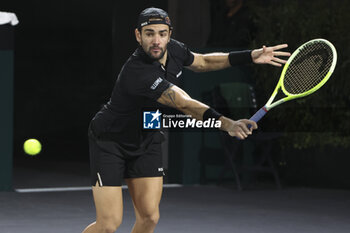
67,55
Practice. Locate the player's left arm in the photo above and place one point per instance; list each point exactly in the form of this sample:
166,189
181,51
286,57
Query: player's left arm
209,62
219,61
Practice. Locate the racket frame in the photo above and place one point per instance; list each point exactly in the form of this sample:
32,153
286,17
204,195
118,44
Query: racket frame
269,105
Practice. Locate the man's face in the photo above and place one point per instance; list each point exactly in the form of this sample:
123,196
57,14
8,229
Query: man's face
154,39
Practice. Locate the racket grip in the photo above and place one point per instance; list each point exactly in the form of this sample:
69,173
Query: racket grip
259,114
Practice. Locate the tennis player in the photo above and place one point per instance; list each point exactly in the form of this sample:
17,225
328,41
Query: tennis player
120,149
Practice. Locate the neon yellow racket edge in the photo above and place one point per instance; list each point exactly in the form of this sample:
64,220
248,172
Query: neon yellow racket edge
306,71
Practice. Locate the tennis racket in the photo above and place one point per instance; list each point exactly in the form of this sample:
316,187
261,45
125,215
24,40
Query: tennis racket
306,71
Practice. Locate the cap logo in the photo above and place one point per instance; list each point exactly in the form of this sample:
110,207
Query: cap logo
167,20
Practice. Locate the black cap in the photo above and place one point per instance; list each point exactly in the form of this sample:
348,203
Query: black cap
153,15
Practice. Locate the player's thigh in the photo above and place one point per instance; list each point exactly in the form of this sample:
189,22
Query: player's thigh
108,203
146,194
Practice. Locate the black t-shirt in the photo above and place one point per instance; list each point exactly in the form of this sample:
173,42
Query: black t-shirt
140,83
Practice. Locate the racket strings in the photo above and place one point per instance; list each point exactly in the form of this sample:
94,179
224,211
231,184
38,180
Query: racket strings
308,68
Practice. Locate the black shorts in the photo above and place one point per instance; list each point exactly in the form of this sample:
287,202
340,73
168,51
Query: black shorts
109,167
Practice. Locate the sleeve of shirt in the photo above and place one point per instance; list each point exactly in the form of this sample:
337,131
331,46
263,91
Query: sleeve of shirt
189,57
150,85
183,52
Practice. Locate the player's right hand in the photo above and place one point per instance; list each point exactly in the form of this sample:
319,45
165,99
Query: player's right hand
241,128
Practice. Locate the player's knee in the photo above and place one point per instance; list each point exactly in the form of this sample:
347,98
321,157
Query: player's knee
150,219
109,226
154,219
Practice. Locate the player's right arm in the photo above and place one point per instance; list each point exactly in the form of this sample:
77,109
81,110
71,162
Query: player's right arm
175,97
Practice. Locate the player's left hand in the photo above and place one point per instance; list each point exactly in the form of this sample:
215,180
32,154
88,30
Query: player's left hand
268,55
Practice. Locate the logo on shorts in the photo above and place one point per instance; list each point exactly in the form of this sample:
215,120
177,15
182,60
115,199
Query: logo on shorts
151,120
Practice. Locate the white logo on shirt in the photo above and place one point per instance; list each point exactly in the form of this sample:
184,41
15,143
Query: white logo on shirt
156,83
178,75
160,169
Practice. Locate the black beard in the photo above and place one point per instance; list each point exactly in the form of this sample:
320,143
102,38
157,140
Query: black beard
155,58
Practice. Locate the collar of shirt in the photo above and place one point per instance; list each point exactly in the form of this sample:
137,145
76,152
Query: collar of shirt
172,70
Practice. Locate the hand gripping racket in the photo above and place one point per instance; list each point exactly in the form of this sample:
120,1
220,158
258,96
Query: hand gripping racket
306,71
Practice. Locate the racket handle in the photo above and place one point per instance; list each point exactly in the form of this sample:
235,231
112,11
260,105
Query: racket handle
259,114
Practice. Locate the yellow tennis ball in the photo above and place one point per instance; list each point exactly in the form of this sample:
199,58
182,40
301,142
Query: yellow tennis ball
32,147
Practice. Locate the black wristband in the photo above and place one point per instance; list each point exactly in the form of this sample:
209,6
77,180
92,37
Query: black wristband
211,113
240,57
